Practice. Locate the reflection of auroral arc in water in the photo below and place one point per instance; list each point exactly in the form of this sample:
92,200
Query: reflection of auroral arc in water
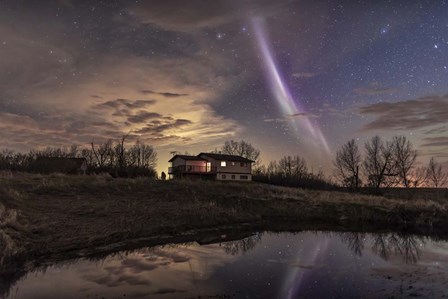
296,275
281,91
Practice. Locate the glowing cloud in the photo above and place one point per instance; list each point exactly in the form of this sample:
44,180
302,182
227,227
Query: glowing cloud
281,92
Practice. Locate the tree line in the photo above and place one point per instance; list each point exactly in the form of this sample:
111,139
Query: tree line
116,157
385,163
289,171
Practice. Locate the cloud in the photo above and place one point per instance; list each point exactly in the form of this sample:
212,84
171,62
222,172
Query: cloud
200,14
435,141
305,75
371,91
374,88
270,120
159,128
124,103
302,114
164,94
438,130
290,117
143,117
405,115
164,291
59,88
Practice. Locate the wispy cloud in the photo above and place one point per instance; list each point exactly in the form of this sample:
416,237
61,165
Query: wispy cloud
374,88
435,141
404,115
164,94
305,75
200,14
367,91
302,114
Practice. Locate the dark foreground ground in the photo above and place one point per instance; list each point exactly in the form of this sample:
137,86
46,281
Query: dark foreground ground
44,219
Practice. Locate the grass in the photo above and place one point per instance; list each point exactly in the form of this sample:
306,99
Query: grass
54,217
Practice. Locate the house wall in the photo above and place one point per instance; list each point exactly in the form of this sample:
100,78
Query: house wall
196,163
179,161
235,167
230,168
232,171
233,177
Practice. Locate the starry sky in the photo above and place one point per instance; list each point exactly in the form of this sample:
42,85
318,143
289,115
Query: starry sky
291,77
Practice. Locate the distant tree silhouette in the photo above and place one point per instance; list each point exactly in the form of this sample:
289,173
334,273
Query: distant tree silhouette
435,174
404,157
347,164
292,171
241,148
378,163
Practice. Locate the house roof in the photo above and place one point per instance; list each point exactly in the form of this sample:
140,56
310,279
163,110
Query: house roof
223,157
187,158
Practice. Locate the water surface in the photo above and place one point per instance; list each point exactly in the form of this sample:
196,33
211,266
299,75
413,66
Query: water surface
264,265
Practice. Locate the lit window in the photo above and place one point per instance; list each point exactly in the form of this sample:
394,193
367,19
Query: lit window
233,163
223,163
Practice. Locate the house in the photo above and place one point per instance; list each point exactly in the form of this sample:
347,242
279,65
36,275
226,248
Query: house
211,166
59,165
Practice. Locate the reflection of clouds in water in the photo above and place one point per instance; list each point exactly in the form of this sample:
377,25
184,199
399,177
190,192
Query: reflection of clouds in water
112,280
126,270
154,271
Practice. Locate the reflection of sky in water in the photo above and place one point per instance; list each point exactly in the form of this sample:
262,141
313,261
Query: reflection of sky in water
304,265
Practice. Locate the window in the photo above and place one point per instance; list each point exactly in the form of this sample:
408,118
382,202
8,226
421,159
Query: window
233,176
223,163
233,163
242,164
223,176
243,177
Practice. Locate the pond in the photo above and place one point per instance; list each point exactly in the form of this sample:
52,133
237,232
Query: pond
262,265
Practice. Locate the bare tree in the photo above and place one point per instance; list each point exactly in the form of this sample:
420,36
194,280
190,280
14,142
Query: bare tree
103,153
120,152
419,176
378,163
347,164
435,174
243,149
148,156
292,167
404,158
272,168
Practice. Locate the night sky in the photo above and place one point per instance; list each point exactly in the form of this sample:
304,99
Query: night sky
291,77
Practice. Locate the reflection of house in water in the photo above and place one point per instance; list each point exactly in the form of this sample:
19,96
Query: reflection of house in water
211,166
59,165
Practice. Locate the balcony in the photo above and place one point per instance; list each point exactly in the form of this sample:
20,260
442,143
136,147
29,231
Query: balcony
182,169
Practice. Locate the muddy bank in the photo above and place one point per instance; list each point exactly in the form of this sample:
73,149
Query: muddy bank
49,218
